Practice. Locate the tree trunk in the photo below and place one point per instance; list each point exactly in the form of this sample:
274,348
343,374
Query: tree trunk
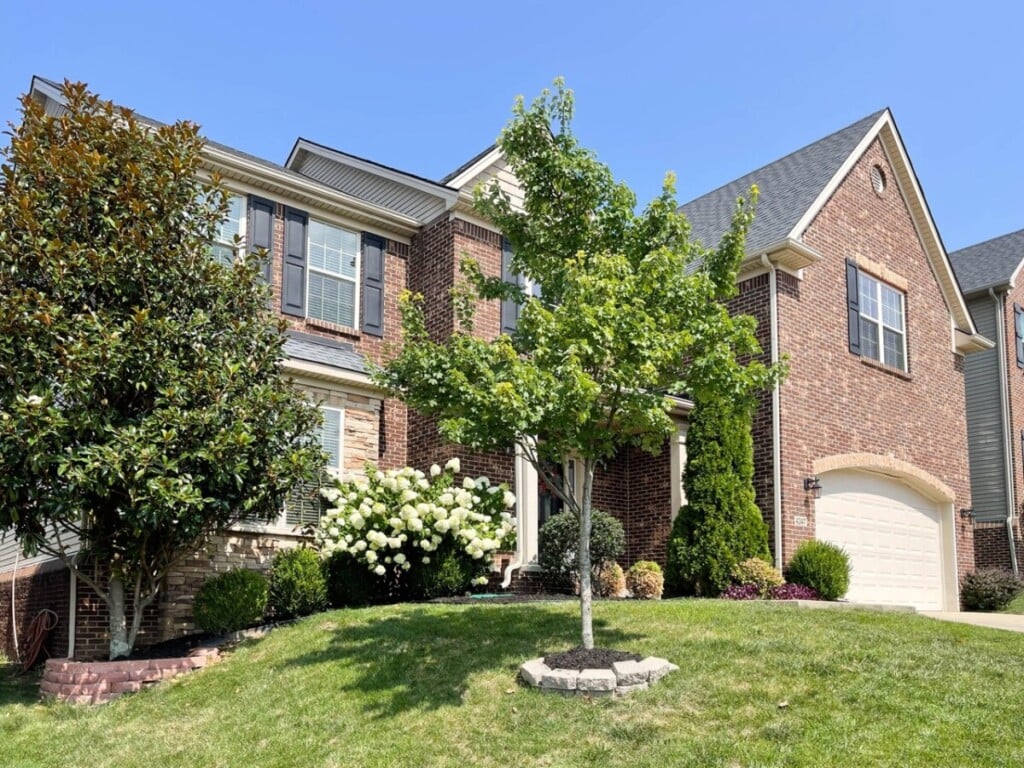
119,645
586,591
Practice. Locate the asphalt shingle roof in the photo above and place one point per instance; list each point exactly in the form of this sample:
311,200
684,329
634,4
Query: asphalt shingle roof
988,264
788,187
301,346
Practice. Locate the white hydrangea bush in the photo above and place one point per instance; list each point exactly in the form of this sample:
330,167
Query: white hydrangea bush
394,520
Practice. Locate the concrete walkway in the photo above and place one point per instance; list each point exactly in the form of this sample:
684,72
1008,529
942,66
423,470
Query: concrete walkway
1011,622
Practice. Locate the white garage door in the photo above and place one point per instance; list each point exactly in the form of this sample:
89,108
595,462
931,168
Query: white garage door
892,534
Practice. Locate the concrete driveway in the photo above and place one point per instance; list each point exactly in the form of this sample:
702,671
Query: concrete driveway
1011,622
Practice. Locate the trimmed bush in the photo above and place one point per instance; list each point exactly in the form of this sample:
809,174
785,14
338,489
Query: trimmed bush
559,543
720,525
450,572
989,589
645,580
611,581
757,572
297,584
823,567
351,585
231,601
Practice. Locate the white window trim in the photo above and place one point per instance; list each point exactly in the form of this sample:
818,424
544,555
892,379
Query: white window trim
356,279
527,489
880,321
280,526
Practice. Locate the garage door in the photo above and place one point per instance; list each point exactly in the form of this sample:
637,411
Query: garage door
892,534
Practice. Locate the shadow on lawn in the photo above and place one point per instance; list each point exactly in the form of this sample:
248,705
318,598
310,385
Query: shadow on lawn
424,658
16,688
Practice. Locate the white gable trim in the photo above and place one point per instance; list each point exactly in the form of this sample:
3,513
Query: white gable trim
471,172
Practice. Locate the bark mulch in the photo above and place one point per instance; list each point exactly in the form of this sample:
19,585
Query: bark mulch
582,658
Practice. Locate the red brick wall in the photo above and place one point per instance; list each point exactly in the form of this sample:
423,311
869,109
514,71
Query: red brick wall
836,402
36,588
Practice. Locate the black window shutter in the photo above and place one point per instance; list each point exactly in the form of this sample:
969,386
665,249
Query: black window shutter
373,284
293,280
1018,326
853,305
509,309
260,221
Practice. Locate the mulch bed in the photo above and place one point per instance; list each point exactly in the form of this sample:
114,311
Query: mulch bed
171,649
502,598
582,658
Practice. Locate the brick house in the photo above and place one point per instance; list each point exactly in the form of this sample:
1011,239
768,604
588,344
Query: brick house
863,444
347,235
989,277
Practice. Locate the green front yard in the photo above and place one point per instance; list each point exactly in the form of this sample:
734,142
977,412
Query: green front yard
417,685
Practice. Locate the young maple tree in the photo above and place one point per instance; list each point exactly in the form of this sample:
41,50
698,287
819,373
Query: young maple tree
142,405
625,309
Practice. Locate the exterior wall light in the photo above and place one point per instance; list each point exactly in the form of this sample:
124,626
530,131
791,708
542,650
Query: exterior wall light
813,484
967,513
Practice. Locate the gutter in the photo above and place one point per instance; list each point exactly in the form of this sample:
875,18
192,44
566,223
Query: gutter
776,422
1004,413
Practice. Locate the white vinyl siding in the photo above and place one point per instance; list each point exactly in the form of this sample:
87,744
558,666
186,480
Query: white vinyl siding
224,248
882,328
333,274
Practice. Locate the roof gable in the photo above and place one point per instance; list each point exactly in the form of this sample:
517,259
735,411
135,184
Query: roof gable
789,187
794,189
991,264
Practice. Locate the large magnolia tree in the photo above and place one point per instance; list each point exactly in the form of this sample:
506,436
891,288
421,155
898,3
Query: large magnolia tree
142,406
625,309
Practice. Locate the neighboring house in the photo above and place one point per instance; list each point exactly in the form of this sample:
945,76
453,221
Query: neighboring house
846,275
864,443
989,275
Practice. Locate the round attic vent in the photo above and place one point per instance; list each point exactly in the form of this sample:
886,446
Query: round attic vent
878,179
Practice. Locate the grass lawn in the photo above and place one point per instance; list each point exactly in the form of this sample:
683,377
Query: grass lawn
1016,605
435,686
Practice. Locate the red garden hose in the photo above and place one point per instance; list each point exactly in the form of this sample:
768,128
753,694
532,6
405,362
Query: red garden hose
40,628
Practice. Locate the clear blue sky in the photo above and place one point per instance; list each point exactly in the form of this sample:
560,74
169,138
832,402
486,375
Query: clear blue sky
710,90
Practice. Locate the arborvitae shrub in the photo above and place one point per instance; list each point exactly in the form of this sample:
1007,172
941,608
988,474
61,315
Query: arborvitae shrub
822,566
720,525
297,584
231,601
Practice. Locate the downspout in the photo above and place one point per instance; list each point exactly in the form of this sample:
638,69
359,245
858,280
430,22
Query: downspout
520,480
72,611
1004,412
773,311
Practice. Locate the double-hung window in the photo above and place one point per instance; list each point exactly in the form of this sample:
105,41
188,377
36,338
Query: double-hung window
333,274
223,248
1018,327
304,504
877,318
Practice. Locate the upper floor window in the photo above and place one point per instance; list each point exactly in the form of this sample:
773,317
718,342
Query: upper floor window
333,274
877,319
223,247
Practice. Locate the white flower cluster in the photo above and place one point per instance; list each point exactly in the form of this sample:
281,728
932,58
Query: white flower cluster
388,520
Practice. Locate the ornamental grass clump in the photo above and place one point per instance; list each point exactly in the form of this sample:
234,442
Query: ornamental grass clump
425,536
611,580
